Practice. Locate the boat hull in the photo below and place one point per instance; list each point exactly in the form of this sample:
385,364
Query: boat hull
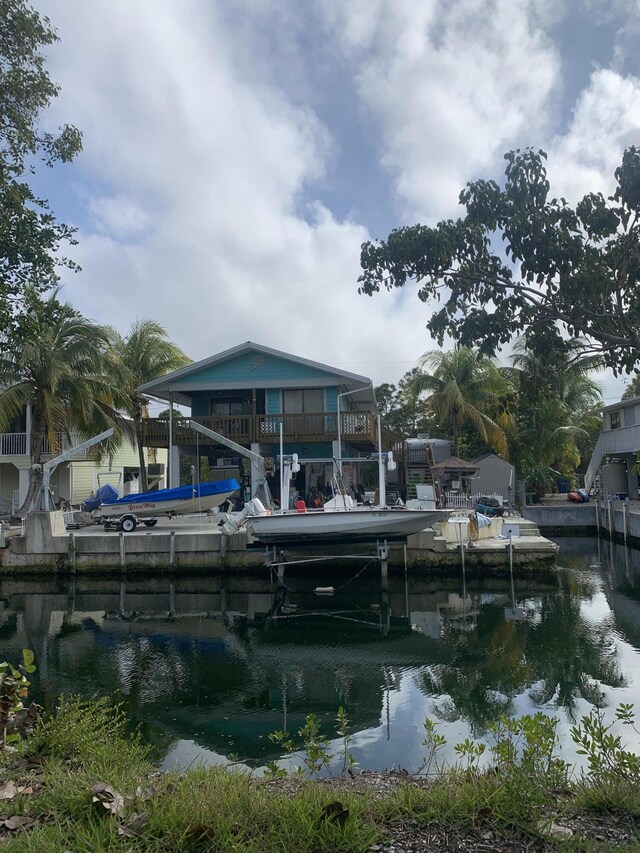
357,525
171,501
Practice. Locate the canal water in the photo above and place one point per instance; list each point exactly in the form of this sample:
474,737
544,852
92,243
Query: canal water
209,666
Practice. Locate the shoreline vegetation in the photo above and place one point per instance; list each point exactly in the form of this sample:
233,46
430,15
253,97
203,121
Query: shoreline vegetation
78,780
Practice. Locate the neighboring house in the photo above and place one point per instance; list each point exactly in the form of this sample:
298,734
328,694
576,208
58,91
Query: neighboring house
613,462
494,476
72,481
248,394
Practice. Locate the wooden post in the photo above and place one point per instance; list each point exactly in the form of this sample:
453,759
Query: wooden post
123,552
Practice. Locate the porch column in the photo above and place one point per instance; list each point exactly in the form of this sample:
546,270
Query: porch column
174,467
170,448
28,429
334,454
23,484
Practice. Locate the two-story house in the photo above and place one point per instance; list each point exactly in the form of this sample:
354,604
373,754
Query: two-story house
614,462
252,393
72,481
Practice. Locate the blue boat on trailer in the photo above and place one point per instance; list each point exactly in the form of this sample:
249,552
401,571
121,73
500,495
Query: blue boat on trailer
125,513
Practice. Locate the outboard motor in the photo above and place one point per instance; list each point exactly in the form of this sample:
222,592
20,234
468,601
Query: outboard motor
234,522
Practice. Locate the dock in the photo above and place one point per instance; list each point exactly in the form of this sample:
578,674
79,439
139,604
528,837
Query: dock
196,544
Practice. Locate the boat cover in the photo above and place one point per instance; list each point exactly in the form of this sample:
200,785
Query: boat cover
105,494
182,493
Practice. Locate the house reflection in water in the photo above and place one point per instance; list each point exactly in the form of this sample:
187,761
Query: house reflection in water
217,663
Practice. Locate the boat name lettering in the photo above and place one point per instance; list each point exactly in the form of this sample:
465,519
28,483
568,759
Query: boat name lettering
146,505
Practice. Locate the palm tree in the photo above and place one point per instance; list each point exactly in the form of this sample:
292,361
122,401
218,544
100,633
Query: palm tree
145,354
465,387
558,403
61,365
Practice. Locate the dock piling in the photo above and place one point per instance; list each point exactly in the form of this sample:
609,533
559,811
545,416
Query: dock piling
625,520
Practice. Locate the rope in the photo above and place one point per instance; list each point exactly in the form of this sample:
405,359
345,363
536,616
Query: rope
337,588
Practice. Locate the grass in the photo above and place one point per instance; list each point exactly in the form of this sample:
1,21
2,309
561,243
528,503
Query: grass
220,810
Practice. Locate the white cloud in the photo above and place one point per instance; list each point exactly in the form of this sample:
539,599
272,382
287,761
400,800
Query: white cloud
198,217
452,85
202,155
118,216
606,120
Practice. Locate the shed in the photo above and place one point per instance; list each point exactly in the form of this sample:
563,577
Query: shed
494,475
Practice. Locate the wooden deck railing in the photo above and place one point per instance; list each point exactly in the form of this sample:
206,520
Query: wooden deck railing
358,427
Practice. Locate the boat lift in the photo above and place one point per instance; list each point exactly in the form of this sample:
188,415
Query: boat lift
257,462
43,500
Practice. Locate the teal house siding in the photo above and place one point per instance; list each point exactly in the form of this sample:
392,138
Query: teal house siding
254,378
272,403
256,368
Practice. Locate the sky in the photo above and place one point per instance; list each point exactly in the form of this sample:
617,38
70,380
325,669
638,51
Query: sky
237,154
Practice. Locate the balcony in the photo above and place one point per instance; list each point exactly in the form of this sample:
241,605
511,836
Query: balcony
17,444
356,428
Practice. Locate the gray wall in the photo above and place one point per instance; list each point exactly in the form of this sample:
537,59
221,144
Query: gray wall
493,476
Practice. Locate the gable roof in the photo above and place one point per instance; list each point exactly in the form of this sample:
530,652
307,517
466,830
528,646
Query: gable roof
454,464
489,455
176,381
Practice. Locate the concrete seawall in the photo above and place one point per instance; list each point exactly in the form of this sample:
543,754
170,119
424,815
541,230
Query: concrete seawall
619,519
187,547
188,553
558,517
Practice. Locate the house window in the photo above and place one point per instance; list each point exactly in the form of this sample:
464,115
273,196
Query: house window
227,408
614,420
296,401
230,403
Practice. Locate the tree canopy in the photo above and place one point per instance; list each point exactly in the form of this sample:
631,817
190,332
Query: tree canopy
144,354
30,236
555,408
632,389
464,386
61,365
523,261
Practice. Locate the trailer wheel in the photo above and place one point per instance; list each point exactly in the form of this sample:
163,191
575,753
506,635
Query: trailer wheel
128,524
150,522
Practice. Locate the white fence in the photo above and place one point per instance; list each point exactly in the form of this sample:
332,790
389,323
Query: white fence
457,501
16,443
13,444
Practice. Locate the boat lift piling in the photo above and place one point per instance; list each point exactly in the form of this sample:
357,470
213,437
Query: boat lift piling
275,560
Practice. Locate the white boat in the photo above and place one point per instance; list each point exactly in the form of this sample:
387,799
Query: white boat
184,499
356,524
339,520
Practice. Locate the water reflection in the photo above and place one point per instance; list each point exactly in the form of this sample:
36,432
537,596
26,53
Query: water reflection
210,666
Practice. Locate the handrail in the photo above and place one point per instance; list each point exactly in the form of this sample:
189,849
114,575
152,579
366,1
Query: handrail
17,443
265,428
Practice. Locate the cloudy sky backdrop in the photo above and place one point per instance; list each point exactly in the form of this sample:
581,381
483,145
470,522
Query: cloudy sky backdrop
238,152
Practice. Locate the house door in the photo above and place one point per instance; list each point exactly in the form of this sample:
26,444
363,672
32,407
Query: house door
306,405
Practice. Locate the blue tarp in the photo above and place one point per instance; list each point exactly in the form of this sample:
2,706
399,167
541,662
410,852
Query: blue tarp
106,494
181,493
